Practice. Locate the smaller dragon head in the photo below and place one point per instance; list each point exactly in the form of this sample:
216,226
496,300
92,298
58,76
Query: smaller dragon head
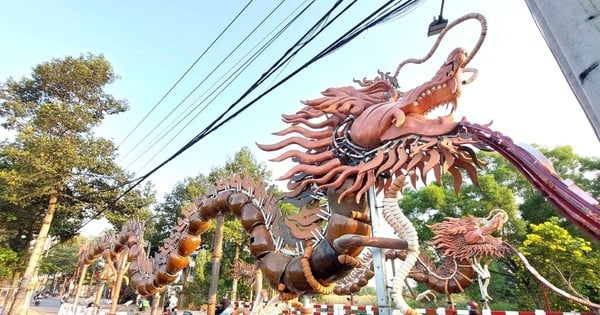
470,237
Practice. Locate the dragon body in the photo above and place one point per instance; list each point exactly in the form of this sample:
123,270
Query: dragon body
349,145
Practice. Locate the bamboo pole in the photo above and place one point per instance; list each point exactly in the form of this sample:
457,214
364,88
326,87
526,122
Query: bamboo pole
10,295
120,273
20,303
155,306
216,267
234,288
101,284
79,286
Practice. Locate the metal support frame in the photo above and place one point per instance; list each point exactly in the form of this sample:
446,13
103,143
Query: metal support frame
383,302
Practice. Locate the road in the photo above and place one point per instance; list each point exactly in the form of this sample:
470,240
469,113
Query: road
48,306
51,306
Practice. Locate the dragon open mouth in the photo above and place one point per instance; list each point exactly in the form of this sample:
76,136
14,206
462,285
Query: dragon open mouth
373,131
435,110
411,113
442,110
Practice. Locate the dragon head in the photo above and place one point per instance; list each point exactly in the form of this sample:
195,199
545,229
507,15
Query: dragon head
376,133
407,114
378,130
470,237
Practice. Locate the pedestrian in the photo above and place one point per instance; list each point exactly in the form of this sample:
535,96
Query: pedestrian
472,307
145,304
166,309
224,308
173,304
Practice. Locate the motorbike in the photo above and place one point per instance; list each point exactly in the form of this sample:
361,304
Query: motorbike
37,300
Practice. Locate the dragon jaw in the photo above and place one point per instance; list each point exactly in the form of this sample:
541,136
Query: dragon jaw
407,115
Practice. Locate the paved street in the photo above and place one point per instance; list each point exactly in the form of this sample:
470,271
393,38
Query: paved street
51,306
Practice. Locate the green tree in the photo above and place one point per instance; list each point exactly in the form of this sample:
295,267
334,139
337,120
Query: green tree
8,259
167,213
60,262
584,171
502,185
56,165
533,207
243,162
135,204
432,203
62,257
566,261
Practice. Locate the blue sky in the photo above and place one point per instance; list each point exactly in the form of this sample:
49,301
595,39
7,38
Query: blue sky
150,44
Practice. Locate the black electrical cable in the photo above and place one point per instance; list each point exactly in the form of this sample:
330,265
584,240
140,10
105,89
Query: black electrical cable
182,76
212,126
159,136
197,137
225,84
143,177
135,180
323,53
355,31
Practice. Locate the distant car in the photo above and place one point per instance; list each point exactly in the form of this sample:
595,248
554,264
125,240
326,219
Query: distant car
187,313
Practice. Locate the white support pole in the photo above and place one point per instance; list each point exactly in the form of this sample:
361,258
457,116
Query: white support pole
383,303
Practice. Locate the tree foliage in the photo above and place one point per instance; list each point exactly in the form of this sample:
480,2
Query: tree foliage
433,203
565,260
166,213
54,150
62,257
584,171
243,162
55,166
8,260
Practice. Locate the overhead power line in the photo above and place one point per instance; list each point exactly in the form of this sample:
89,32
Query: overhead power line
140,179
182,76
380,15
344,39
218,90
355,31
166,131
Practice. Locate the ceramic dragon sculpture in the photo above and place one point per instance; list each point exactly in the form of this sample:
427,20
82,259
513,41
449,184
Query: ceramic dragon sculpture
349,145
462,244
